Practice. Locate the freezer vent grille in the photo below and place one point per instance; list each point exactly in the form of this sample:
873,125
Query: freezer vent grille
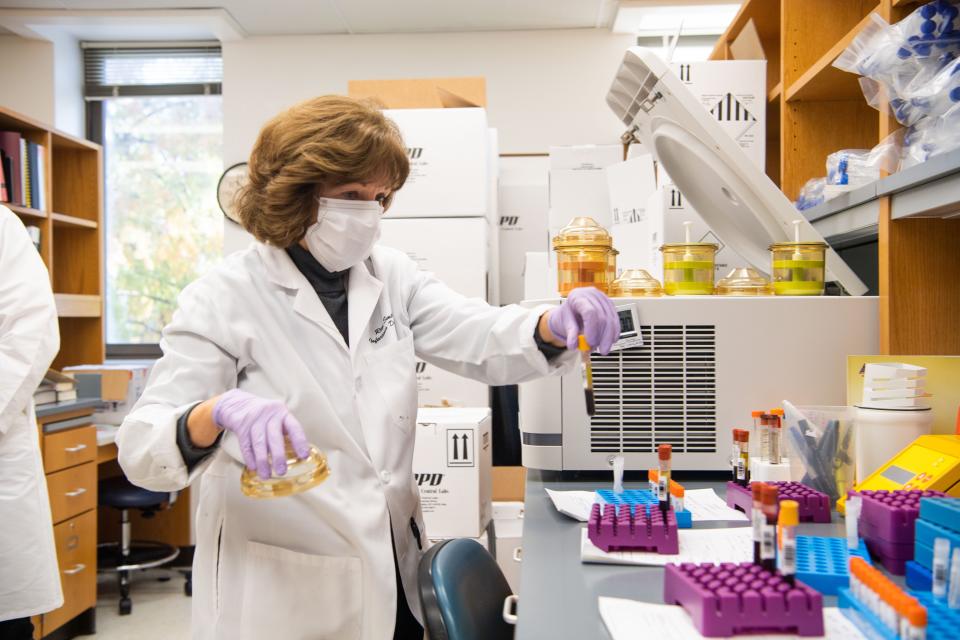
664,392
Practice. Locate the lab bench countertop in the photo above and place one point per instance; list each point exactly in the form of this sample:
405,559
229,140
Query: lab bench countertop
54,408
558,593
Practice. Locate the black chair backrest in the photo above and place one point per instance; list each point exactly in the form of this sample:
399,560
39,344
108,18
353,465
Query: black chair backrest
462,590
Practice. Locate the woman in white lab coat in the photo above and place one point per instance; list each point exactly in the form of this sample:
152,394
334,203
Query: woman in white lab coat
266,346
29,340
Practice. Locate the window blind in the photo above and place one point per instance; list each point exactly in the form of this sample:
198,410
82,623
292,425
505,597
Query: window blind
116,70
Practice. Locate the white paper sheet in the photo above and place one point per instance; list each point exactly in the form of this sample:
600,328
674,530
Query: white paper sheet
696,545
624,617
575,504
703,504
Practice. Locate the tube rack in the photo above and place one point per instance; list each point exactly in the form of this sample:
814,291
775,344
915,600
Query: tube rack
824,563
626,527
645,497
814,505
729,599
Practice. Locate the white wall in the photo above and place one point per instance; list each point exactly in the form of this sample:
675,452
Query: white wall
543,87
68,103
26,77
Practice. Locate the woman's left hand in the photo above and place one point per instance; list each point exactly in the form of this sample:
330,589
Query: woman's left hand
587,311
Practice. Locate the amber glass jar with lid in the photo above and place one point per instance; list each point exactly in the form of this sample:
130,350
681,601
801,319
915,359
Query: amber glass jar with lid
745,281
585,256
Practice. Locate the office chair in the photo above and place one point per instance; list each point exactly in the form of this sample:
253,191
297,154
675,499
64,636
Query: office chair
126,556
463,591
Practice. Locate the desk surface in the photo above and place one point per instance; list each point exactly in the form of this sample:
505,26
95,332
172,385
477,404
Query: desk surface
558,593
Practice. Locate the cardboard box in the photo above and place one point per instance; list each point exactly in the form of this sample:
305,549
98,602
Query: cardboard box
449,164
630,184
493,212
539,277
121,385
451,463
735,93
422,93
456,250
509,484
578,184
523,207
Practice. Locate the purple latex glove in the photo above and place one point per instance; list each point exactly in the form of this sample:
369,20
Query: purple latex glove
260,426
587,311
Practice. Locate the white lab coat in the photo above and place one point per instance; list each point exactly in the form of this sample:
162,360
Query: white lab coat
29,340
320,564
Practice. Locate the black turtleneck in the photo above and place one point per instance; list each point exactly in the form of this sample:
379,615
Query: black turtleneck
331,286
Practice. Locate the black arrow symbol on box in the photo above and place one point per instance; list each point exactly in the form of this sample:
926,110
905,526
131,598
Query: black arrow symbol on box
456,438
465,455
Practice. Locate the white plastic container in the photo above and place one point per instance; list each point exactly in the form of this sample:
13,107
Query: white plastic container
883,433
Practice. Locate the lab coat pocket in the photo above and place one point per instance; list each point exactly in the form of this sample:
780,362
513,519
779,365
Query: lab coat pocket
299,596
392,369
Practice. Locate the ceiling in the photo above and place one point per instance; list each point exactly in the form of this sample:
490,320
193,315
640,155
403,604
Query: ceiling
287,17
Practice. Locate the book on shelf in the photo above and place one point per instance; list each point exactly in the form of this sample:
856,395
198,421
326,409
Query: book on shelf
65,396
25,173
10,145
6,164
58,381
44,395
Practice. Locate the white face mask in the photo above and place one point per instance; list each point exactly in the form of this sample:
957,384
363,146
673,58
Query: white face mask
344,233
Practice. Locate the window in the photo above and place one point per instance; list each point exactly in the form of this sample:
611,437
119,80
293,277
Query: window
157,112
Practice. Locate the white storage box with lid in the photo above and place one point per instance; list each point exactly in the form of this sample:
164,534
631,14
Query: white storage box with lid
449,165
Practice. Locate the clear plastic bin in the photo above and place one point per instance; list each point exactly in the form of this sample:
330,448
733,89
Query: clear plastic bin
821,445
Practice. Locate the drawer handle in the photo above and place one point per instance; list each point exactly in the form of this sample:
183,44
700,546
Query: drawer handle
75,448
76,569
75,492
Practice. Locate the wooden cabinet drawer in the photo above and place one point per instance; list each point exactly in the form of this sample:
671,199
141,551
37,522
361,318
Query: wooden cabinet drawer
72,491
77,556
69,448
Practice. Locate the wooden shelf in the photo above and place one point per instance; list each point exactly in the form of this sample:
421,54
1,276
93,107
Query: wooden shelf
774,93
903,3
824,82
63,220
25,211
74,305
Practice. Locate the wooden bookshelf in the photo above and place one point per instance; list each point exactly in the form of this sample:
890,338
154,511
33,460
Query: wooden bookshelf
815,109
71,243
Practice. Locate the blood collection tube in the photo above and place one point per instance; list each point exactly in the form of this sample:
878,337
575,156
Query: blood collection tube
852,521
664,452
768,538
774,438
787,522
917,617
941,565
676,497
759,435
745,456
587,371
953,597
735,455
757,519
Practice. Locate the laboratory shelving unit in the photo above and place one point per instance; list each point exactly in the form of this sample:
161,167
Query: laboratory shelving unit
814,109
71,243
71,246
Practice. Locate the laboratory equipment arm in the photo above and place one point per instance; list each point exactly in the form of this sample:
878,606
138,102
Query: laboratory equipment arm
29,334
467,336
198,364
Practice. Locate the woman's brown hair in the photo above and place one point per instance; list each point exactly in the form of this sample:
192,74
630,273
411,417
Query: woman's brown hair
323,141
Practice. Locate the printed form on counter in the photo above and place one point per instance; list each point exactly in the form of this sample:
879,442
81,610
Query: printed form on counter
704,505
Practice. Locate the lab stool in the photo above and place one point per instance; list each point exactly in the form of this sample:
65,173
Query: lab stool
127,556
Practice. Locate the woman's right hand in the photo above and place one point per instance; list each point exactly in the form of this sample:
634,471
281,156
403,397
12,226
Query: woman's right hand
260,426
